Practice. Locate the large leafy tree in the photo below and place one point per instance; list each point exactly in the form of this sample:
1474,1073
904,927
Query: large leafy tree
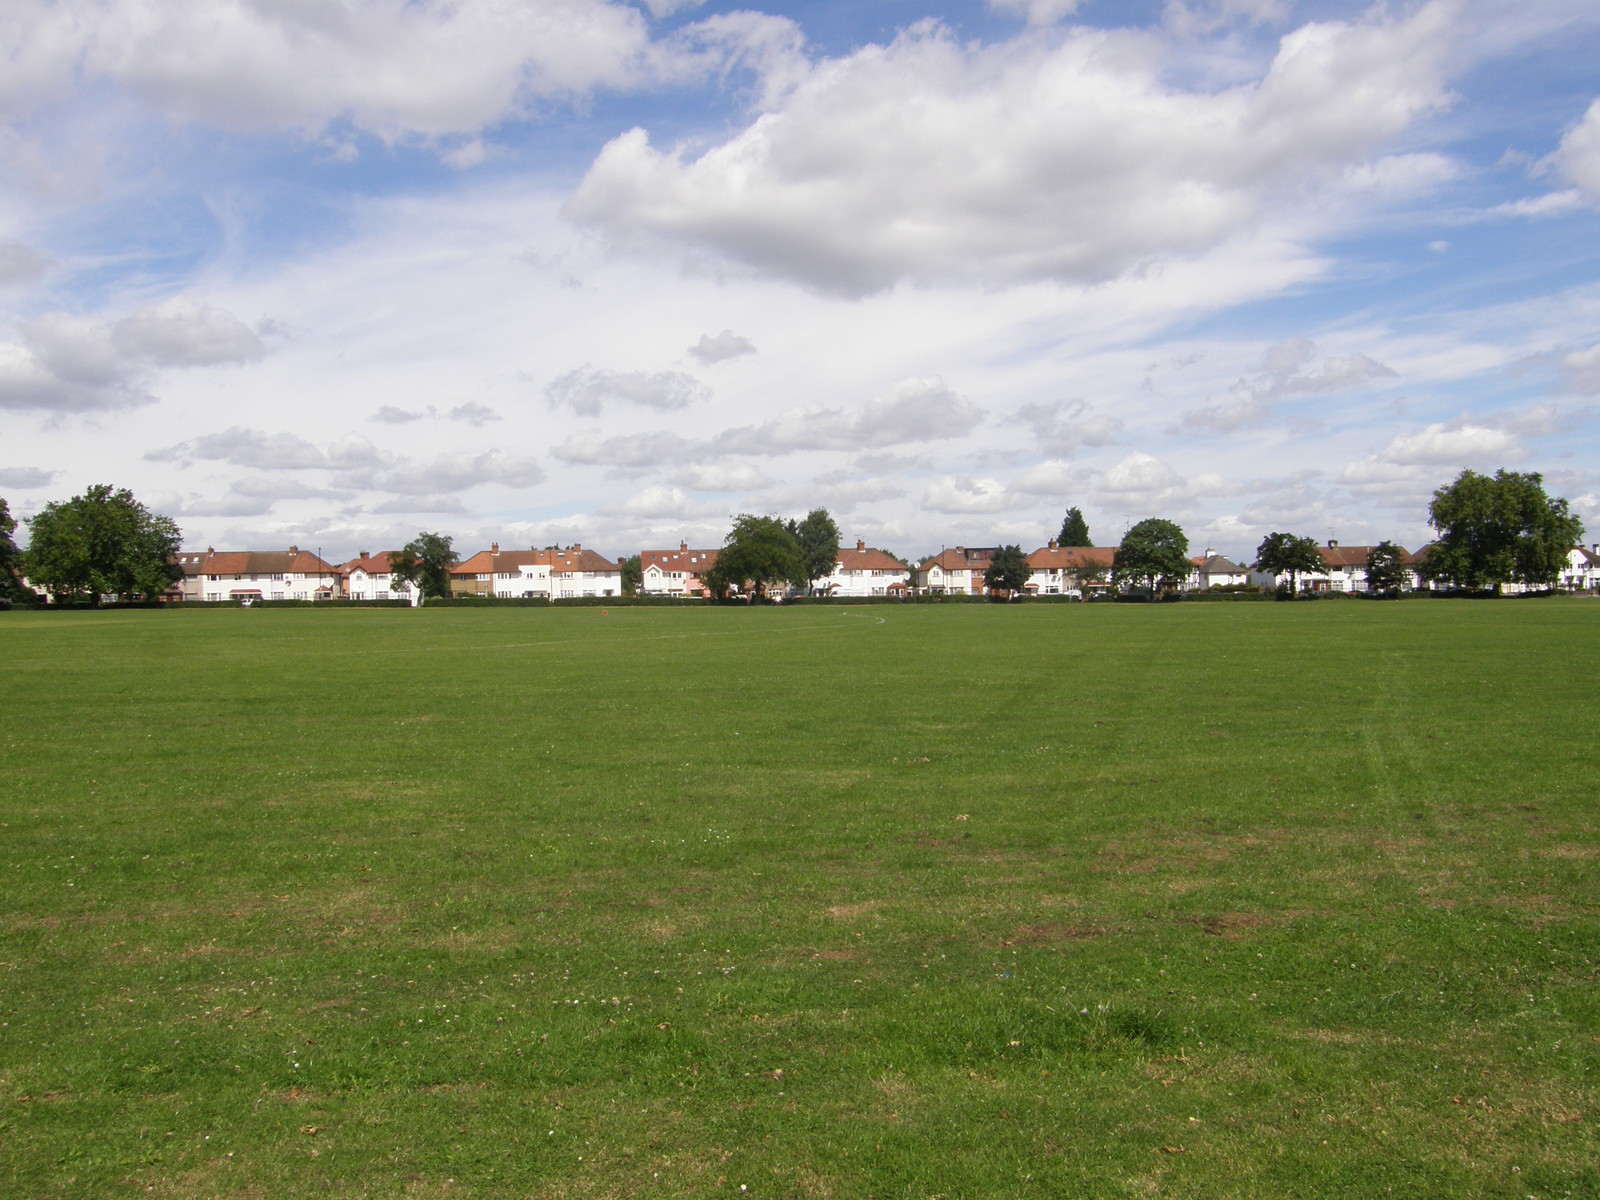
424,561
818,539
1500,529
1288,554
1074,529
1154,552
1386,569
759,551
10,556
102,543
1007,571
632,575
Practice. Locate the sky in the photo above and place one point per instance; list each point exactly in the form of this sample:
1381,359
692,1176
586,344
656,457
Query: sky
331,273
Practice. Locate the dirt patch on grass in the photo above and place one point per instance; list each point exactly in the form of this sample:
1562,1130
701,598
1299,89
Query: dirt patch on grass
1053,934
1235,926
852,912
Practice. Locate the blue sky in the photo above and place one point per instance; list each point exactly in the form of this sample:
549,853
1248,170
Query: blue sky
330,272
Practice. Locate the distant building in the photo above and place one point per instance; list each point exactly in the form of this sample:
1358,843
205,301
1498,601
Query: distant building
1056,570
1213,570
294,574
536,574
368,577
864,572
679,572
956,572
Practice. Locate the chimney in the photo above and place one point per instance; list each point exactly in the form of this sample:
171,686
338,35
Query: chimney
682,546
294,549
1332,545
577,546
363,556
860,545
961,550
494,547
1052,543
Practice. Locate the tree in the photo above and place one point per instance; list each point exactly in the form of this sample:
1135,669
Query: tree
632,575
1074,529
1008,571
424,561
1154,552
102,543
760,551
10,557
1386,569
1286,554
818,539
1499,530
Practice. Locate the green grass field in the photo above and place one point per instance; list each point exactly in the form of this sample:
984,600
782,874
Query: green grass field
960,901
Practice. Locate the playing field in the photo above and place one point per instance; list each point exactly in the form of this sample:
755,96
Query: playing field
903,901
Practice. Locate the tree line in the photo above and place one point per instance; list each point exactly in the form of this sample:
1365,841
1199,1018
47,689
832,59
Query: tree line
1492,530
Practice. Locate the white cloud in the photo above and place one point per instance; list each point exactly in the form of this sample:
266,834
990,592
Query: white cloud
1447,444
914,410
1067,158
26,478
640,450
1142,481
659,501
588,390
242,447
451,473
724,346
723,477
69,363
967,495
1037,12
389,67
20,263
1578,159
1583,371
1281,376
1062,426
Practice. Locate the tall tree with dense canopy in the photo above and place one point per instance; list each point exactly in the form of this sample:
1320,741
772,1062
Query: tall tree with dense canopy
424,561
102,543
632,575
818,539
1386,569
759,551
1008,571
1074,529
1499,529
1287,554
10,556
1154,552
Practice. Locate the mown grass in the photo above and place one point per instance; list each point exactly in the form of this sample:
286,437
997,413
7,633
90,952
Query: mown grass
1201,901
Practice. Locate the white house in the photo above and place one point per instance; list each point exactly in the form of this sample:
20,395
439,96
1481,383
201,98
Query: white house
368,576
864,572
679,572
1582,572
580,572
1213,570
533,574
955,572
264,575
1068,570
1344,570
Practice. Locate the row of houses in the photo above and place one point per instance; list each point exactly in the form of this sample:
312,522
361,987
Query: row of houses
296,574
248,575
